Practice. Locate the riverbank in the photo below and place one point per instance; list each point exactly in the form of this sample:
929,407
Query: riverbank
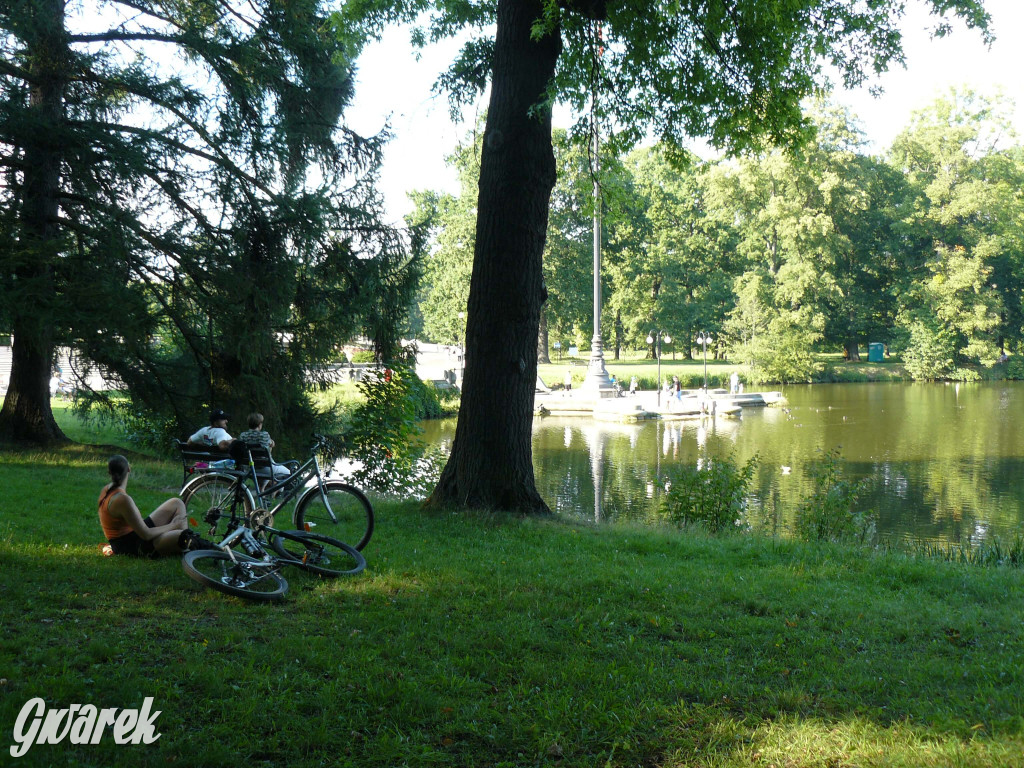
482,640
691,372
834,370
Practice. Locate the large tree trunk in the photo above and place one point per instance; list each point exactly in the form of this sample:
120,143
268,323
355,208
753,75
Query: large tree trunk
491,464
26,416
852,351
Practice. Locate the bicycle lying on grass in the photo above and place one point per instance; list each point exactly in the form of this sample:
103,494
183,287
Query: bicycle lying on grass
256,574
332,506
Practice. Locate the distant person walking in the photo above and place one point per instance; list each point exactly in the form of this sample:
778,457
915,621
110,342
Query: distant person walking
734,383
568,380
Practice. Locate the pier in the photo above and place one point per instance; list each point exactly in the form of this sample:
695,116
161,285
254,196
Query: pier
644,405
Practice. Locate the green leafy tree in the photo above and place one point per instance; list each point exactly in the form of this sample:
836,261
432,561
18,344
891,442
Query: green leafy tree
818,227
675,261
449,261
181,218
857,199
776,343
967,215
735,73
783,235
930,349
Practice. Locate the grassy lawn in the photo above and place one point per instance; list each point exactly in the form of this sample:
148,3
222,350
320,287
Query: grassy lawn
473,640
89,432
691,372
554,374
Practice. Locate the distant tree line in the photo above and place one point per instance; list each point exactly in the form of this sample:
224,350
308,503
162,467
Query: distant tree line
780,253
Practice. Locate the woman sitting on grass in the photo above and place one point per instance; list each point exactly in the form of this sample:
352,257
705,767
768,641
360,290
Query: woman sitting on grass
165,532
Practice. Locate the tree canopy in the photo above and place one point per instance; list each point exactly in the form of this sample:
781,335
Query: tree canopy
820,247
734,71
183,206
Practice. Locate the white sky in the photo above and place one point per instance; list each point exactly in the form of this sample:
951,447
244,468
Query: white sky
391,83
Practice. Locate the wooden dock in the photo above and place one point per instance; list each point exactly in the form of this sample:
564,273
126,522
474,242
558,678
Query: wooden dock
645,406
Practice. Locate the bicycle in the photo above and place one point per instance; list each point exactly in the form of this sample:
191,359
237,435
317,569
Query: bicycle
255,575
337,508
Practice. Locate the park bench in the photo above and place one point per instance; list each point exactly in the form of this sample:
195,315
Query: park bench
196,459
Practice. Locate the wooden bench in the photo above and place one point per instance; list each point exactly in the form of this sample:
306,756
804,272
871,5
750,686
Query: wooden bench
196,459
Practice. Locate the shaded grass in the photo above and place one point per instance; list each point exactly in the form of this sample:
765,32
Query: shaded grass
479,640
91,431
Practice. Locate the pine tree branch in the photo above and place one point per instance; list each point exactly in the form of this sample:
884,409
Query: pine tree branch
22,74
220,159
110,37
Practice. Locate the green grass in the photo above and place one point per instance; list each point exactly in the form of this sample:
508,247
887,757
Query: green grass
691,372
476,640
89,432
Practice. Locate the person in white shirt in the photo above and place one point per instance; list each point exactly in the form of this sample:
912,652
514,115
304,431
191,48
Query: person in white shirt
215,435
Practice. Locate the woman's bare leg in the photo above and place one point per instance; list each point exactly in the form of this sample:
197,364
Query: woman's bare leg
167,543
171,512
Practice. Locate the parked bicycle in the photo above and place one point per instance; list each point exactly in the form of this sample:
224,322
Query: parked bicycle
255,574
324,505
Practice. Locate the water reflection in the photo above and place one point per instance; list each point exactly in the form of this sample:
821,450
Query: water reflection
943,463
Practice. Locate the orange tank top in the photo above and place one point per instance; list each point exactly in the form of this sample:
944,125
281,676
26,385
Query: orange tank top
113,527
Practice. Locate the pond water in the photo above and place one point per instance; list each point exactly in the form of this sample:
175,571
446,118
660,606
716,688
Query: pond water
943,462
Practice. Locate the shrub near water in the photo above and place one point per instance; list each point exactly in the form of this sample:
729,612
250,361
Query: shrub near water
712,495
383,436
829,513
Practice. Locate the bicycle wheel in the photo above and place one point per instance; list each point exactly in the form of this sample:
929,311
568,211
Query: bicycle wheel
211,498
243,577
318,553
341,512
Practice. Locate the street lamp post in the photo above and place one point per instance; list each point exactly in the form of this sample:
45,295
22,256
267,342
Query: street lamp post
660,336
597,380
704,338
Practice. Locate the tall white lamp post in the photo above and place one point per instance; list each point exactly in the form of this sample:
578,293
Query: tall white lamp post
704,338
597,379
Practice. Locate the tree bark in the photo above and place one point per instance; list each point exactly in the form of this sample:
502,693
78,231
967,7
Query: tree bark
491,464
542,341
26,416
852,352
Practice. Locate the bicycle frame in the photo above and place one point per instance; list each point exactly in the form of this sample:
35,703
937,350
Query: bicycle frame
262,565
310,468
249,543
260,498
249,539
